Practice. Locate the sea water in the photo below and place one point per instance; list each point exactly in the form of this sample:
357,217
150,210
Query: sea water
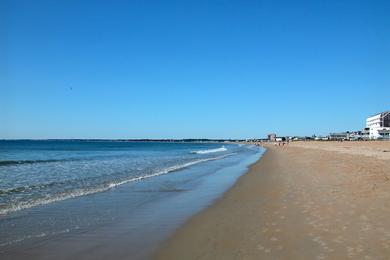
52,188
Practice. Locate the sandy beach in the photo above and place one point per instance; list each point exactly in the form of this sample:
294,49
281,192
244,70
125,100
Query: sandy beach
310,200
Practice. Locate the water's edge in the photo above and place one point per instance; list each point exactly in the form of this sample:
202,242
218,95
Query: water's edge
214,202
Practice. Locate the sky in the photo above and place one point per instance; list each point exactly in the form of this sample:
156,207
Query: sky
191,69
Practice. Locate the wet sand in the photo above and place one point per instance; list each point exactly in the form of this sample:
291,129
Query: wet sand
317,200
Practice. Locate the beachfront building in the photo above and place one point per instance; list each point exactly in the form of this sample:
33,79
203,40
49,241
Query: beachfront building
379,125
366,133
272,137
339,136
321,138
384,134
356,135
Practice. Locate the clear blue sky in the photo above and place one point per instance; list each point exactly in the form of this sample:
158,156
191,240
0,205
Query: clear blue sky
178,69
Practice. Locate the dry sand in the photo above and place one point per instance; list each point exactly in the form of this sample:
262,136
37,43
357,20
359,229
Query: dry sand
380,150
317,200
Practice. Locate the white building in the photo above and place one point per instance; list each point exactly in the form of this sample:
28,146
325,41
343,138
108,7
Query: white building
379,125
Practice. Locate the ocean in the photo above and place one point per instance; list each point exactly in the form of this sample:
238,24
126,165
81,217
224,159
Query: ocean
129,191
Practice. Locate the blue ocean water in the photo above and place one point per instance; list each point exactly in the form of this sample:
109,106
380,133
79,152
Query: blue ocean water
39,172
52,187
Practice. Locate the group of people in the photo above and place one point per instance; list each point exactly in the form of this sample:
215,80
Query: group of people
277,143
282,143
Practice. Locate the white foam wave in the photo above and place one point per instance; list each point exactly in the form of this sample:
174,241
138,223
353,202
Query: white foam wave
81,192
170,169
216,150
21,239
7,243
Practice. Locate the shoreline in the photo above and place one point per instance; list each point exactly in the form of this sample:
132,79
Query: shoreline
166,250
297,202
131,220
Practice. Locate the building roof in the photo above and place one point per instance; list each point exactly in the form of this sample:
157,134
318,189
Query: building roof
388,111
341,133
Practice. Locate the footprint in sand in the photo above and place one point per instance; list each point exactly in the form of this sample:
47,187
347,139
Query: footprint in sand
359,249
363,217
350,252
260,247
381,228
339,239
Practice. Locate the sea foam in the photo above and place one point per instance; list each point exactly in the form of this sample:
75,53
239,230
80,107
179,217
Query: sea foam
216,150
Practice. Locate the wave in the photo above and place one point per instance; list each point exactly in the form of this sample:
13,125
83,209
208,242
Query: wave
18,162
216,150
24,189
170,169
15,162
103,187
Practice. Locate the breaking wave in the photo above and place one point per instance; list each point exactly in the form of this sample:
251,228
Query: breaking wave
216,150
